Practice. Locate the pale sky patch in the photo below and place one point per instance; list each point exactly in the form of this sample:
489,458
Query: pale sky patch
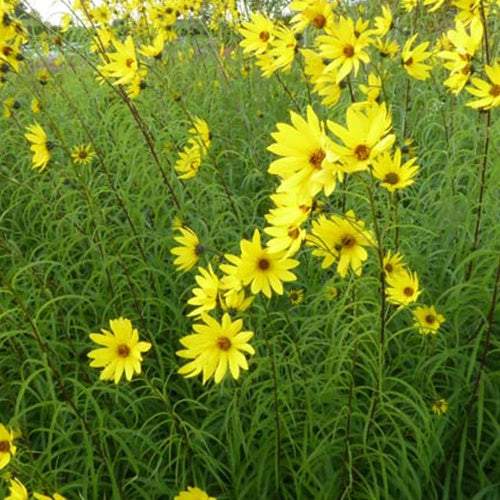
49,10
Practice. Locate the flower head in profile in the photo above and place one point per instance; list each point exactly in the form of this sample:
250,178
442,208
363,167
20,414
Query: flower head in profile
427,320
82,154
122,351
55,496
262,269
488,93
440,406
7,446
189,161
193,493
17,490
402,288
413,59
215,347
39,146
190,251
201,135
206,294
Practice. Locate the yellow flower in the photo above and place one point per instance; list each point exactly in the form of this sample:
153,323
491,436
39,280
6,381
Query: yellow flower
318,13
82,154
306,153
55,496
346,46
205,297
390,171
413,59
383,23
440,406
372,90
189,161
201,134
258,33
366,136
402,288
193,493
488,93
39,145
122,351
393,264
123,64
427,320
215,347
263,269
190,250
7,446
342,238
43,76
296,296
17,490
35,105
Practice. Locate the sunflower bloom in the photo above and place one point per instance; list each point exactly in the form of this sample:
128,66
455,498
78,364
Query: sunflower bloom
82,154
206,294
122,351
345,46
193,493
189,161
190,251
262,269
402,288
393,175
413,59
393,264
343,239
39,146
439,407
258,33
488,93
215,347
17,490
366,136
7,446
427,320
306,153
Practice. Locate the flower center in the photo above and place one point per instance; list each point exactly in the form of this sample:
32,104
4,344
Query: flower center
348,50
223,343
388,268
319,21
82,154
430,319
263,264
316,158
409,61
4,447
264,36
129,62
391,178
348,241
123,350
362,152
7,50
294,233
199,250
495,91
408,291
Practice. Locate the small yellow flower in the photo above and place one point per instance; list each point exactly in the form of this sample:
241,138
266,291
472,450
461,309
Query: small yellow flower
17,490
55,496
295,296
7,447
122,351
427,320
440,406
39,146
190,250
82,154
193,493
